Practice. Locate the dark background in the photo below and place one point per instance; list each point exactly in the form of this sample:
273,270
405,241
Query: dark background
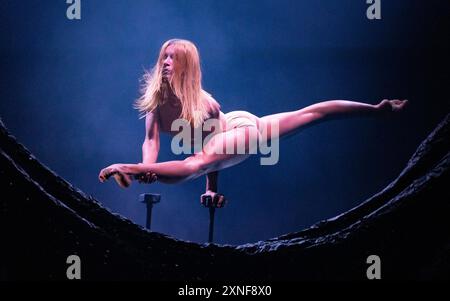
67,89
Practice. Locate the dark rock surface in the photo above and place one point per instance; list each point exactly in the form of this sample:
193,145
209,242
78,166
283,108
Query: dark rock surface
44,219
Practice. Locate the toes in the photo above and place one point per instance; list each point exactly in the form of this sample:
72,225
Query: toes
102,177
122,180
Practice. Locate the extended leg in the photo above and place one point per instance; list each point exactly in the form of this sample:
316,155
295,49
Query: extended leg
291,122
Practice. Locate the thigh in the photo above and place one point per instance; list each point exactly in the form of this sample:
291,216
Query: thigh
287,123
229,148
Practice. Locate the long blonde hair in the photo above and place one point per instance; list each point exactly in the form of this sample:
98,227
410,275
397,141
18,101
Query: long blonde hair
185,83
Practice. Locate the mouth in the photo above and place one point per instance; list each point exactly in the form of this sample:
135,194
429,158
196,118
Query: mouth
166,73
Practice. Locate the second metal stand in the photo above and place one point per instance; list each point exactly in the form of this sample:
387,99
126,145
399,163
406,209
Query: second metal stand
149,199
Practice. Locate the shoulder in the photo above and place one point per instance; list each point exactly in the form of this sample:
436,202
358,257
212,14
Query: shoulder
152,117
153,113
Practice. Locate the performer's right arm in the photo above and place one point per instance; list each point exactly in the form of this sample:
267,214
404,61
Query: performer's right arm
150,147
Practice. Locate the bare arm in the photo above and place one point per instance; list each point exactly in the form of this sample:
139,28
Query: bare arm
211,181
150,147
218,200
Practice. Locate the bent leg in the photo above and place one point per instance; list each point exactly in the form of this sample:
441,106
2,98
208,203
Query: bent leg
230,148
169,172
220,152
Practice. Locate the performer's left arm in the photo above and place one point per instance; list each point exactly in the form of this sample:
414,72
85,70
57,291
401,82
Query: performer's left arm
211,190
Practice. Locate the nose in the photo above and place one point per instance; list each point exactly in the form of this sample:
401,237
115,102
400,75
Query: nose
167,61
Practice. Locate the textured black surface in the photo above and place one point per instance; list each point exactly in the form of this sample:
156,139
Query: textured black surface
44,219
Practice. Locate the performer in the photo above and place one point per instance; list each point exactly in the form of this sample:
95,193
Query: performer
173,90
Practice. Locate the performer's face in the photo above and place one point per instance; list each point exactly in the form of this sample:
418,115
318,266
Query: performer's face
168,62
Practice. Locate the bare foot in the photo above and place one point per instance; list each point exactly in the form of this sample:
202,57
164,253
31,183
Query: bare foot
393,105
122,179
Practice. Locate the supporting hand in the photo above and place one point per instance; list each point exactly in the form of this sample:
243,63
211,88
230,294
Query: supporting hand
146,178
218,200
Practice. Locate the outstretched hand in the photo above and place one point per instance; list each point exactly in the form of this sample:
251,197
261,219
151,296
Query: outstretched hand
393,105
217,200
117,172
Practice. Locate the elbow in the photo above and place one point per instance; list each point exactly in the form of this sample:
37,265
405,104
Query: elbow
150,143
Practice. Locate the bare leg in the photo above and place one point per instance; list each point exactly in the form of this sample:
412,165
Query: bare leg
291,122
213,157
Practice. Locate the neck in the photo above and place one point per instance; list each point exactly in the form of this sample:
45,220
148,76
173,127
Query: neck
167,90
169,96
